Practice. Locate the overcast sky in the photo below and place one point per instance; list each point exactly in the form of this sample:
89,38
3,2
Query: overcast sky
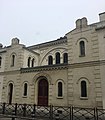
38,21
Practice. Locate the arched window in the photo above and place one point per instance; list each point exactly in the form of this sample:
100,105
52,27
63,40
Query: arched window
29,60
65,58
83,89
50,60
57,58
0,60
82,48
60,89
33,60
25,89
13,60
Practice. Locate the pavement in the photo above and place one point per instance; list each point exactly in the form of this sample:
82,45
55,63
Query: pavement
4,118
20,118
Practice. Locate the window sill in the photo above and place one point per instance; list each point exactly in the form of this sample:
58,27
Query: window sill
24,96
12,65
59,97
81,55
84,98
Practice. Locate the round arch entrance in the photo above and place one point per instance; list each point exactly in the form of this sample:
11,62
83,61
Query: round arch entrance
43,92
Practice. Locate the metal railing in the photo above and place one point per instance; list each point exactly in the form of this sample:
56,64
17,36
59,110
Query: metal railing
50,112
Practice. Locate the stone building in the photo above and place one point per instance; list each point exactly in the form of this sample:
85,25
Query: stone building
67,71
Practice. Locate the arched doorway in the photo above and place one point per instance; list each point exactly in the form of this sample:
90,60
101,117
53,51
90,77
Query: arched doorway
10,93
43,92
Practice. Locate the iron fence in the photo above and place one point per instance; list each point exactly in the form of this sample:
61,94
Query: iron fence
50,112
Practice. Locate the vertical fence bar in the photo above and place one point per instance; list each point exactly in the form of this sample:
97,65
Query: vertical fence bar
16,109
96,113
51,112
3,112
34,111
24,110
70,112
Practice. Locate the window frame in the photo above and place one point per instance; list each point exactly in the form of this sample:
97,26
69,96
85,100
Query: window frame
57,95
82,48
13,59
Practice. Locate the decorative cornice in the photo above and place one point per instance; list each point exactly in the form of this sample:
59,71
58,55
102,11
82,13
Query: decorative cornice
99,28
87,64
10,72
63,66
55,67
51,43
44,68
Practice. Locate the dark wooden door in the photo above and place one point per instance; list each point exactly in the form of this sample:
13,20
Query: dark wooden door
43,92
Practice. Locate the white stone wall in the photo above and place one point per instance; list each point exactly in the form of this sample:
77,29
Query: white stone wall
90,68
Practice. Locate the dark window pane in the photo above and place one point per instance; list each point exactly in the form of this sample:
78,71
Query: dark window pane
25,89
0,60
82,48
10,93
60,89
65,58
50,60
57,58
29,60
83,89
13,60
33,60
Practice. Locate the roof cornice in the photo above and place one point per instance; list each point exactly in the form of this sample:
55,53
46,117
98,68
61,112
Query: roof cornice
51,43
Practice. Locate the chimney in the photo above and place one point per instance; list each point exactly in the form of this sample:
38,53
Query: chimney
80,23
15,41
102,16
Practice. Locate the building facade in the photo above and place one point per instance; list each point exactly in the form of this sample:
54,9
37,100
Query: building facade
67,71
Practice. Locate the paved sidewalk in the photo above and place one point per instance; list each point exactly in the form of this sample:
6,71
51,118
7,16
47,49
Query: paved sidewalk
22,119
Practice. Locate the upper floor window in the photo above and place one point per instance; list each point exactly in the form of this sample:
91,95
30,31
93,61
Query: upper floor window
33,61
29,61
60,94
82,48
65,58
57,58
0,60
83,89
50,60
13,60
25,89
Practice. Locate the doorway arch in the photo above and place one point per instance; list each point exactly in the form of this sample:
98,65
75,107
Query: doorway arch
43,92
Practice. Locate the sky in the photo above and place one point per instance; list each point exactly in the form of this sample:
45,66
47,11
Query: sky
38,21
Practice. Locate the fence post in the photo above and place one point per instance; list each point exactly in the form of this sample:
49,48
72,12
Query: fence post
3,108
16,109
71,113
33,112
24,110
51,112
96,113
